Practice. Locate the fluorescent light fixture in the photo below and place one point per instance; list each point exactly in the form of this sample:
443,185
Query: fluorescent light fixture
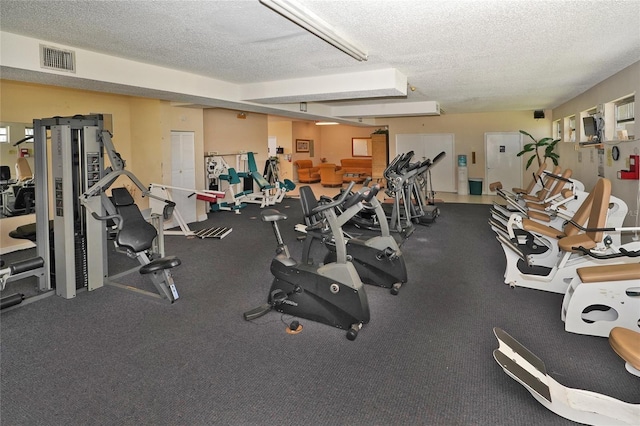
311,22
326,123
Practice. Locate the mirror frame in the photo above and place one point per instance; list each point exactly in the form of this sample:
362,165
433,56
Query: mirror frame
361,147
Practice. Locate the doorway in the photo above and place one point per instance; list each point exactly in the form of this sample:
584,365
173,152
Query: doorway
183,173
502,161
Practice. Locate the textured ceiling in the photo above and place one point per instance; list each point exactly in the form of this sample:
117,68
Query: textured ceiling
470,56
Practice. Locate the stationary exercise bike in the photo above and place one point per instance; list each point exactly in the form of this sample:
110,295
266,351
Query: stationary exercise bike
332,293
377,258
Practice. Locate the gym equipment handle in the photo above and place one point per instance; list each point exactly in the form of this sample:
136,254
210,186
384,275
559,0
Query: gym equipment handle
562,178
116,217
438,158
372,192
623,253
335,203
624,229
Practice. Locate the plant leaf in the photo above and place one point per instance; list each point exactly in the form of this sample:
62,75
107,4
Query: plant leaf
525,133
530,161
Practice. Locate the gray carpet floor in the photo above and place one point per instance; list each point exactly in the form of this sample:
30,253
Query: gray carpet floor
111,357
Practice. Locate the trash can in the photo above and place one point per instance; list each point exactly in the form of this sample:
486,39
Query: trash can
475,186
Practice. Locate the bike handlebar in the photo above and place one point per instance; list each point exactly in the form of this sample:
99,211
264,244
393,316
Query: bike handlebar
438,158
335,203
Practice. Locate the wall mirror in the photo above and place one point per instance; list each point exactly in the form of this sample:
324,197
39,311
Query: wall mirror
361,147
10,133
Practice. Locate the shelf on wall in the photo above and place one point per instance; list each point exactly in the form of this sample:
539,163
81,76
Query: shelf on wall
589,145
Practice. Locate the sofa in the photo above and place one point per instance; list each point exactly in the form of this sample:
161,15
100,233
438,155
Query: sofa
356,169
307,173
331,175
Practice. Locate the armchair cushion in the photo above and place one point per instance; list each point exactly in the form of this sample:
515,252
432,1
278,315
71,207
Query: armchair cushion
307,173
331,175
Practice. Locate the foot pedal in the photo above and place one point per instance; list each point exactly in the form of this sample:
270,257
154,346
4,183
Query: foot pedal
387,253
257,312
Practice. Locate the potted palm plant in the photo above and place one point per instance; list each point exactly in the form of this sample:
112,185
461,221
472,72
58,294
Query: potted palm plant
542,149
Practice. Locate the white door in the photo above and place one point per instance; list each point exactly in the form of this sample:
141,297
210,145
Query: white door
428,145
183,173
502,163
272,146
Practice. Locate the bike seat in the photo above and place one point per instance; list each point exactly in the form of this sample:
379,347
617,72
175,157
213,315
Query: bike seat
271,215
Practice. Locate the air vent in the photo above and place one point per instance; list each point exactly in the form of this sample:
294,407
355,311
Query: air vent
54,58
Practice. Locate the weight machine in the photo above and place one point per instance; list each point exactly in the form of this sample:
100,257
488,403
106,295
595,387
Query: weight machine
219,171
76,178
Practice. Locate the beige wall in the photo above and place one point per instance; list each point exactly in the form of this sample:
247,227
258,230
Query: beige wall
336,141
227,134
147,140
282,130
584,161
309,131
469,130
23,102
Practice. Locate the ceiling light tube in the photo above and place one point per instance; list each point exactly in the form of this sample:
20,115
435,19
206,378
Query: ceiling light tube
326,123
315,25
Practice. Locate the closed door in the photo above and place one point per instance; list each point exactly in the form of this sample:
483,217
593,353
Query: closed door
429,145
502,161
183,173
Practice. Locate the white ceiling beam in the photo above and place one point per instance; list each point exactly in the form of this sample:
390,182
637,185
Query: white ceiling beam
387,82
397,109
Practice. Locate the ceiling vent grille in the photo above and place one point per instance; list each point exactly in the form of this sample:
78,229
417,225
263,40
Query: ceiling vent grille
54,58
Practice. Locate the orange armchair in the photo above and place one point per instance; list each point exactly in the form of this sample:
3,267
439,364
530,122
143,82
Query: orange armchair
331,175
307,173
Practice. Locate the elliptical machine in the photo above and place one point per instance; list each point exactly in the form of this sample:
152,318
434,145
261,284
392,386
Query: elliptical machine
378,259
332,293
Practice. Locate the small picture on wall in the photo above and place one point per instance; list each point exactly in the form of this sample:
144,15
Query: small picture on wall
302,145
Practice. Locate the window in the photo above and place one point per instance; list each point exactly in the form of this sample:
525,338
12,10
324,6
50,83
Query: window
28,131
625,117
570,129
557,129
4,135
